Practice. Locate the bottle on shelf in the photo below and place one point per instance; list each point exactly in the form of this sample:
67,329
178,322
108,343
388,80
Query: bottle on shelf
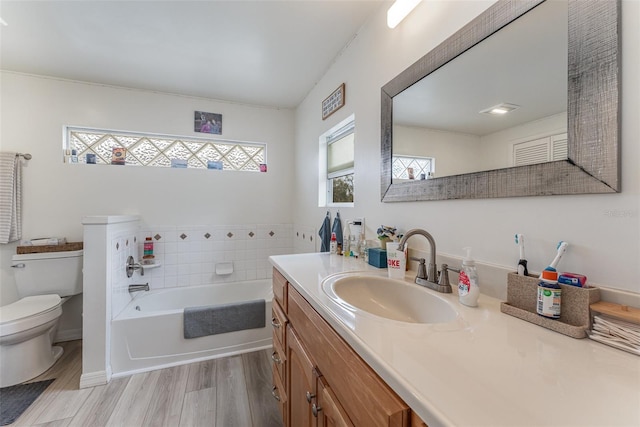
147,256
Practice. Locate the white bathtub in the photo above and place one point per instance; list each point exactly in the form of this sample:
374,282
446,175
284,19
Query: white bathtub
148,334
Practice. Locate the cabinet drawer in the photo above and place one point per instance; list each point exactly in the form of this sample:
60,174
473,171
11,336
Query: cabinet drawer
280,289
365,397
279,360
279,393
279,324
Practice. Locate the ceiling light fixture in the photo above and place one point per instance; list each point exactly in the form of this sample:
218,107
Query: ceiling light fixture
399,10
500,109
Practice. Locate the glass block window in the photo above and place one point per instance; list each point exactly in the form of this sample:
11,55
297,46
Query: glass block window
404,167
159,150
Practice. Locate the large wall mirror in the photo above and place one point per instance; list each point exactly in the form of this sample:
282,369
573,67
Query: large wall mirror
549,68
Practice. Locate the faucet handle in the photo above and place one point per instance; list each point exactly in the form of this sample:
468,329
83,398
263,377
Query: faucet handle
444,276
422,268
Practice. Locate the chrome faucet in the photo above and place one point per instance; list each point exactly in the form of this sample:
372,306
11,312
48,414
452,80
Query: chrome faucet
430,280
139,287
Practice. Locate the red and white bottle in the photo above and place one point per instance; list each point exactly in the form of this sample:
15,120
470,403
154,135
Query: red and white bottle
468,290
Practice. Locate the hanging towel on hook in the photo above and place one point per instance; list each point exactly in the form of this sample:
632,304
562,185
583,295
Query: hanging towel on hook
325,233
10,197
337,228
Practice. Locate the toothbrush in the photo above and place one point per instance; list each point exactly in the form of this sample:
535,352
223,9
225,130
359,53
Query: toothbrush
522,263
562,248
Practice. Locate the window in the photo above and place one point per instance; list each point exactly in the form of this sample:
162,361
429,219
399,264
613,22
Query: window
159,150
405,167
337,164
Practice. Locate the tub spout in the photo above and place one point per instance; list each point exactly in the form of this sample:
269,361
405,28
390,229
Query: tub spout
139,287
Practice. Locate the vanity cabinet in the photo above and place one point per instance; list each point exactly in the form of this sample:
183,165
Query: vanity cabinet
326,383
279,323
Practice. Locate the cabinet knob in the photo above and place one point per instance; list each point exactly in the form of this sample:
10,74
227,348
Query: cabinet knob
315,409
310,396
275,323
276,358
274,389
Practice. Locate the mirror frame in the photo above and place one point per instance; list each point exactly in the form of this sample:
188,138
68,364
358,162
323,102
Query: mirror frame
593,113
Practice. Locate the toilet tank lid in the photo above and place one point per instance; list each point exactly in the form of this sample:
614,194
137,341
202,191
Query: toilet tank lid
47,255
28,306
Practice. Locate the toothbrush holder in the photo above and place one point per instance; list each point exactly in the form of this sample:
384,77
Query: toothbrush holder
574,318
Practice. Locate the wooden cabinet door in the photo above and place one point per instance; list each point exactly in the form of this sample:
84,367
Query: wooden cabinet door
300,383
328,410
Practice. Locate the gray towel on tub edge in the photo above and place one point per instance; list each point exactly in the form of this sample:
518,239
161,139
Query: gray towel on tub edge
223,318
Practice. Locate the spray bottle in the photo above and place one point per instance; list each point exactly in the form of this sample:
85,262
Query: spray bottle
468,290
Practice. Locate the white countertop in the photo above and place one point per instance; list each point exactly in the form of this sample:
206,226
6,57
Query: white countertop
486,368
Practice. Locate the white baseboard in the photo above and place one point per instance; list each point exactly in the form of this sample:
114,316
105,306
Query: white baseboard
93,379
69,335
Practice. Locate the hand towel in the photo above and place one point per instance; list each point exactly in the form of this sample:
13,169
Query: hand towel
337,228
325,233
10,197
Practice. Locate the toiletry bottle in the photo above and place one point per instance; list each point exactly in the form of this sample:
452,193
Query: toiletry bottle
346,248
365,250
147,255
333,246
468,290
74,156
549,295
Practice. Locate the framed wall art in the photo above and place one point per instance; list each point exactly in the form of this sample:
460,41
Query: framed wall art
207,122
333,102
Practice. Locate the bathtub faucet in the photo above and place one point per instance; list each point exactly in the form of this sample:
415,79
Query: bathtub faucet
140,287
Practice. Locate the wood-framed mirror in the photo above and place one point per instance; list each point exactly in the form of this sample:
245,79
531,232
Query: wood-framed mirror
591,160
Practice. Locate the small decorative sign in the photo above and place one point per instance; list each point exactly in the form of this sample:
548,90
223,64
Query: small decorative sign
207,122
333,102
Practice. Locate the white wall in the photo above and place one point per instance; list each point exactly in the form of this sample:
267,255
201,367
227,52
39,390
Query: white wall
603,230
58,195
455,153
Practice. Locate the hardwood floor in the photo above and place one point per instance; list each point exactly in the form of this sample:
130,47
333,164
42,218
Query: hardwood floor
230,392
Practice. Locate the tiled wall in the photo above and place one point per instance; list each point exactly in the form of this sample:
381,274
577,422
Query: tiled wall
188,255
305,239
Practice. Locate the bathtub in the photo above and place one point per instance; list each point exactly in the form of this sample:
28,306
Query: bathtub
148,333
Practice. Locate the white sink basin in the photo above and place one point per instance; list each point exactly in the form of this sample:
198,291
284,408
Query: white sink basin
389,298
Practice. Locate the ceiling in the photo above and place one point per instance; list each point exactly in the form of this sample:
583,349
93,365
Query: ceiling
265,52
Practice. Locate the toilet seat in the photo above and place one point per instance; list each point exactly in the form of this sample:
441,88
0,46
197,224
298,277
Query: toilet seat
29,312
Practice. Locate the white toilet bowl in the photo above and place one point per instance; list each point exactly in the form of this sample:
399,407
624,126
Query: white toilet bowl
27,330
28,326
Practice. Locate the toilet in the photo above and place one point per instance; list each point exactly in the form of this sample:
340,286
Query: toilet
28,326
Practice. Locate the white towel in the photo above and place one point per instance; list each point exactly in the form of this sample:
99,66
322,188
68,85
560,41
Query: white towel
10,197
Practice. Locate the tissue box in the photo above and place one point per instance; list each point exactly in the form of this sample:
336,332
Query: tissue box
378,257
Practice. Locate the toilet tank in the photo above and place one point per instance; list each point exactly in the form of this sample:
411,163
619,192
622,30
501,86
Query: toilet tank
48,273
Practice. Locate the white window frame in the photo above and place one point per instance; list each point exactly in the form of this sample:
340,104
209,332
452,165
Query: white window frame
197,157
325,187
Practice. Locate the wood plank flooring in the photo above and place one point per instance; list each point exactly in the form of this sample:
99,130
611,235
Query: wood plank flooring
229,392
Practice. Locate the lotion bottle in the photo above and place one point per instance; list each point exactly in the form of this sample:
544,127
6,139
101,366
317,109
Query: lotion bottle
468,290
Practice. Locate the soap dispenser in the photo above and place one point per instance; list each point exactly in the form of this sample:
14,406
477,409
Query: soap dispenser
468,290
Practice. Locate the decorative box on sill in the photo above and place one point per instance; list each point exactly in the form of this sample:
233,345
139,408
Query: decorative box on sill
574,321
